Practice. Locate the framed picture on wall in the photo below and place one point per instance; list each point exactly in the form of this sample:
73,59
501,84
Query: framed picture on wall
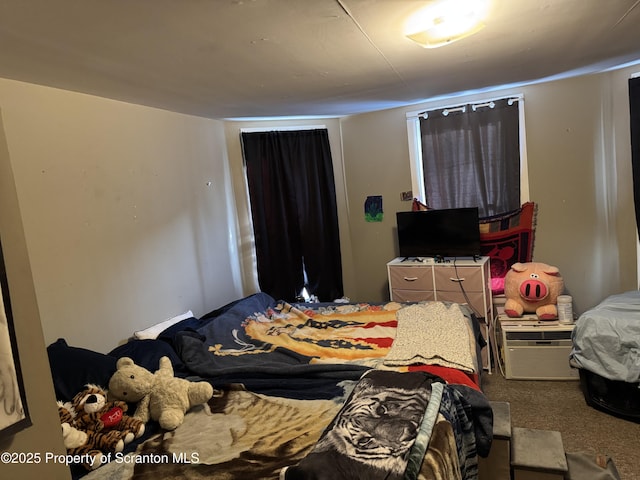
14,415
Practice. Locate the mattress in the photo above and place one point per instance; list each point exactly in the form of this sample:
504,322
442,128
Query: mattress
281,373
606,350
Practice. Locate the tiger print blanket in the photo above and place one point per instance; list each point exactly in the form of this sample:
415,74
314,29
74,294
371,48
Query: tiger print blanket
381,433
240,435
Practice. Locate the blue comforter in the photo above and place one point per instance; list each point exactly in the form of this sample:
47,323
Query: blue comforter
270,371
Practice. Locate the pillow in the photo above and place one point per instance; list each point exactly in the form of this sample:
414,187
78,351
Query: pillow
72,368
153,331
507,239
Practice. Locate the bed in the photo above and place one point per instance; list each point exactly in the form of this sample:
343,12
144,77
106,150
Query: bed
291,379
606,342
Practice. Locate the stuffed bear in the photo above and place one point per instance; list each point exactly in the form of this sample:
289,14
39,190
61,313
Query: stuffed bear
76,441
95,413
160,396
532,287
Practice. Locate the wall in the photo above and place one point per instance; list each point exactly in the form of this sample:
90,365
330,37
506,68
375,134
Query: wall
376,157
43,436
578,151
580,173
127,211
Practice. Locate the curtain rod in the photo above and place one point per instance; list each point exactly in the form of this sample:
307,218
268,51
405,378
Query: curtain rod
460,108
487,104
282,129
447,111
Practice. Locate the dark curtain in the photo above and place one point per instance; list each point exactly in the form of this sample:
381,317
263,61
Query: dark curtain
634,108
471,158
294,213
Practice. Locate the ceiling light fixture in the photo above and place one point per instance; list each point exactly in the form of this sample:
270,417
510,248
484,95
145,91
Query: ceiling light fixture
446,21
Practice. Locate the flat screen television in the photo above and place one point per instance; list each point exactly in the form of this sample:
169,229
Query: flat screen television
453,232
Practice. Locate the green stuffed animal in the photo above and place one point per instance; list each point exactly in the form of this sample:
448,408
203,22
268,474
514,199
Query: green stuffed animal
159,396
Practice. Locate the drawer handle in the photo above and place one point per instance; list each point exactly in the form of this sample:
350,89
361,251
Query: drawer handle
410,279
456,279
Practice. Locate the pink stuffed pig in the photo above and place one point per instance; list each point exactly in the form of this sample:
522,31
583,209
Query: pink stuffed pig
532,288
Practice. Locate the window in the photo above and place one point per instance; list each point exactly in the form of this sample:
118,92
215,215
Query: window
294,212
470,155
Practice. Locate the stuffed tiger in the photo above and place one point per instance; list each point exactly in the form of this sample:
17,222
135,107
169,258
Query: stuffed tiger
65,412
79,442
92,427
103,441
95,413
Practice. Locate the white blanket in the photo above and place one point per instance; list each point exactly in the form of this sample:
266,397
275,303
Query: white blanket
433,333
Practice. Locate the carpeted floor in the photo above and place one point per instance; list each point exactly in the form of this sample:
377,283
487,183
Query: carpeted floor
560,406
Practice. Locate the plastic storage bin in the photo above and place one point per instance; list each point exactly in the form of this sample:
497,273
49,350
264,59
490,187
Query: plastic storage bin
618,398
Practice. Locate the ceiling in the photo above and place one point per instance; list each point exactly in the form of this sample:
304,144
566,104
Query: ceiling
273,58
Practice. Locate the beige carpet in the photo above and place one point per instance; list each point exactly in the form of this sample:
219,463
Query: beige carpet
560,406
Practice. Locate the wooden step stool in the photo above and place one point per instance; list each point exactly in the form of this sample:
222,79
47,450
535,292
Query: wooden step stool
537,455
497,466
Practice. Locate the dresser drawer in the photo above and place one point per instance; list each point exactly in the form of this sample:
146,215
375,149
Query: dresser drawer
411,278
399,295
450,279
475,299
